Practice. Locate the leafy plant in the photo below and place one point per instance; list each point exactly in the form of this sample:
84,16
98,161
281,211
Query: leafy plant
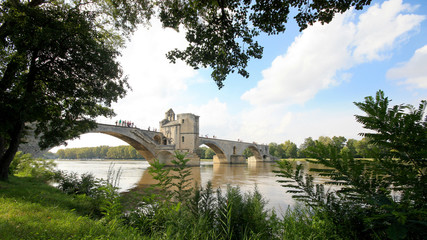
182,177
103,194
108,197
25,165
383,198
178,211
72,183
162,174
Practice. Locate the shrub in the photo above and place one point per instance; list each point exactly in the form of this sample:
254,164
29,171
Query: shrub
25,165
383,198
178,211
103,194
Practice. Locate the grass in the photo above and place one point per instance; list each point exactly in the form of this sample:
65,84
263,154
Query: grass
31,209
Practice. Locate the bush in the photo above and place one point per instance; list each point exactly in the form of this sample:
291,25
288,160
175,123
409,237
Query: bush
383,198
178,211
103,194
25,165
72,183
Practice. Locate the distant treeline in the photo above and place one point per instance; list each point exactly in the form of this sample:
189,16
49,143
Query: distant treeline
120,152
101,152
288,149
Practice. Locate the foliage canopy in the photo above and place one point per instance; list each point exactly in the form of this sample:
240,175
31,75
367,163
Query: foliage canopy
222,33
58,68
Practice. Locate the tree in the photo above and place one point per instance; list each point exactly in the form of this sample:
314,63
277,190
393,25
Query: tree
248,153
364,148
325,140
221,33
351,145
113,153
201,152
272,149
290,149
382,198
209,153
58,68
339,142
308,142
61,153
280,151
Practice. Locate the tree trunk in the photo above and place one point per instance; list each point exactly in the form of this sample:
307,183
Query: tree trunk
8,156
19,122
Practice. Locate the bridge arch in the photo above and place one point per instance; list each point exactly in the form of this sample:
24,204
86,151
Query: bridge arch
257,154
141,148
220,156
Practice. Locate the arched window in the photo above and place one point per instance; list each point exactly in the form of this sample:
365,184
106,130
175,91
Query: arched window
182,138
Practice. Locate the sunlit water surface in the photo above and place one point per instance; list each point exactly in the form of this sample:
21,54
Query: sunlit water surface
134,174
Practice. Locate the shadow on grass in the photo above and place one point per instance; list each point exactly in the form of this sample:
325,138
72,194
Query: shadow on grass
36,191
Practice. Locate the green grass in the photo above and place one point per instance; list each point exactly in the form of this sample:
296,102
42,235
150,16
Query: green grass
31,209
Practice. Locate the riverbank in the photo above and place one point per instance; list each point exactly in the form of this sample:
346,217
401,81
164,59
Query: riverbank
32,209
89,208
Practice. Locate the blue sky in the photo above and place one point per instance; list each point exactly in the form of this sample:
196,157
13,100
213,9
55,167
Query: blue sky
304,86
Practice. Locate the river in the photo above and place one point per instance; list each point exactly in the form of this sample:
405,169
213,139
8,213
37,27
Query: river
134,174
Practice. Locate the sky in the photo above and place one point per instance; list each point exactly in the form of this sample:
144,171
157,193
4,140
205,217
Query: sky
304,86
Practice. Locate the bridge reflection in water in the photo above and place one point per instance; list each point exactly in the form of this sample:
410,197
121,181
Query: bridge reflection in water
245,176
135,177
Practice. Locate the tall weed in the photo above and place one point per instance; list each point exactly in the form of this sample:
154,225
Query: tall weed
103,194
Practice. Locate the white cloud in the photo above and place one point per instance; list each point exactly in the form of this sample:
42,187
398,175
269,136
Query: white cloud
317,57
275,124
215,118
157,84
318,123
381,27
414,71
309,65
264,125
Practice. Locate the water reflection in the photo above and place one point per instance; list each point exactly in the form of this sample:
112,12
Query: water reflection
147,179
136,177
245,176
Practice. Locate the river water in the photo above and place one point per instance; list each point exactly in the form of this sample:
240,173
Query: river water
134,175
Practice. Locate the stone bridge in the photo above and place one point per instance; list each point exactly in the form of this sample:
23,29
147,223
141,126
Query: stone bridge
181,134
232,151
